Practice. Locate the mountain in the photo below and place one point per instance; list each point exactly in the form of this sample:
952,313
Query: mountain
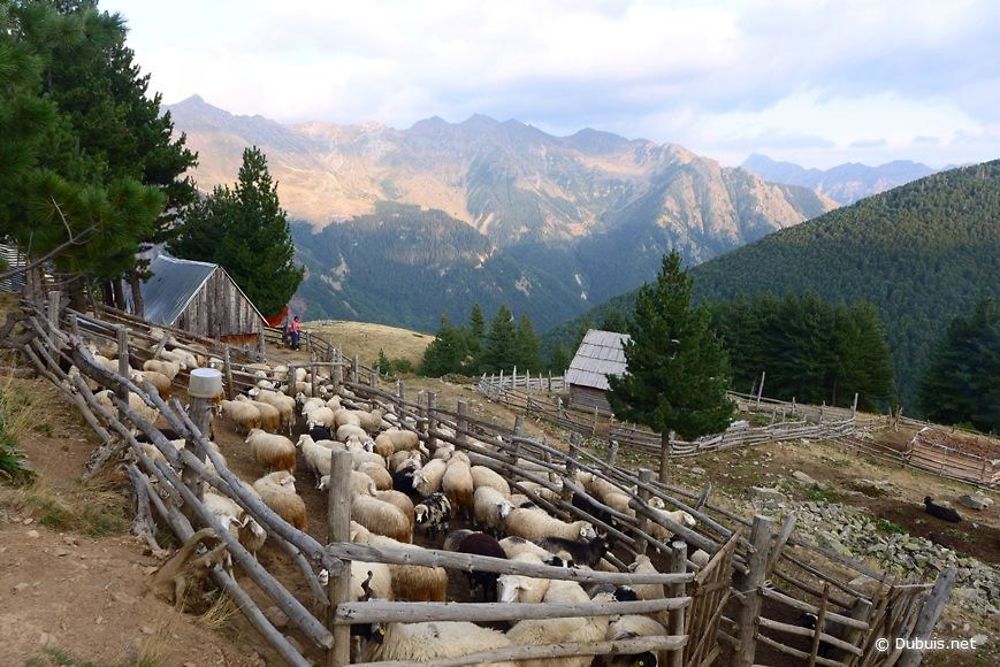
549,224
922,253
845,183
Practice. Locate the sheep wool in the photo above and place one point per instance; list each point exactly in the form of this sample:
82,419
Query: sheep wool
271,450
533,525
277,490
400,500
378,473
424,642
483,476
491,507
245,416
412,583
427,479
270,417
458,485
381,518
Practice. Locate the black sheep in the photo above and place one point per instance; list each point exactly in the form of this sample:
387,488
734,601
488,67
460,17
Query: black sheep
592,508
588,553
433,513
474,542
940,511
320,432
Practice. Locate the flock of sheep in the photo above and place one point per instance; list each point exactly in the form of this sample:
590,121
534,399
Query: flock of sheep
399,487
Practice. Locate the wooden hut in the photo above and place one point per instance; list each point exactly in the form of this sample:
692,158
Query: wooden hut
965,456
600,354
199,297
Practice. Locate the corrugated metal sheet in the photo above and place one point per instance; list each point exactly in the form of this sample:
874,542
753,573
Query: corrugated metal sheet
599,355
174,283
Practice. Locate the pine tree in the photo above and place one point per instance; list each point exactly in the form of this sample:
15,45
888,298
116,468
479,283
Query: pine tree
475,331
560,359
528,346
500,350
446,352
960,385
246,231
678,372
383,365
615,321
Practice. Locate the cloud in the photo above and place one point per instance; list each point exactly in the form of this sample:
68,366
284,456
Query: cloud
710,75
870,143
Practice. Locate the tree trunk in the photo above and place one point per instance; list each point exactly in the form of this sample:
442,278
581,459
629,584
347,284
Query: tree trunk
116,286
136,283
77,293
665,439
109,295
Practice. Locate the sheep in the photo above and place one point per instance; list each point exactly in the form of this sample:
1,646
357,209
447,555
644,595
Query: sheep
361,456
318,458
426,642
320,433
407,440
565,630
168,368
700,558
378,473
321,415
588,553
271,450
376,577
491,508
522,588
399,458
344,416
483,476
533,525
134,403
277,490
308,403
245,416
643,565
164,387
284,404
513,546
334,403
381,517
361,484
427,479
628,627
940,511
413,583
348,431
482,584
237,521
400,500
370,421
270,417
433,513
458,485
661,532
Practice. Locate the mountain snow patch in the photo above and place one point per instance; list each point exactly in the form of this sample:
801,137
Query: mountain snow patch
523,285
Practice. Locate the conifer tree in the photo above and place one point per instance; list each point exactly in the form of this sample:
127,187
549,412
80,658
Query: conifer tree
677,371
615,321
446,352
960,386
500,349
528,346
560,359
246,231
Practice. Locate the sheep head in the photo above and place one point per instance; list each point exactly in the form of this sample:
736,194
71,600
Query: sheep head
587,532
420,514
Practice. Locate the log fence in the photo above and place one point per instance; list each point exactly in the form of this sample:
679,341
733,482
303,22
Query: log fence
697,598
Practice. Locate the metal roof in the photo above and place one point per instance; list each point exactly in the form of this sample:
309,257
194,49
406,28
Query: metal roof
173,284
599,355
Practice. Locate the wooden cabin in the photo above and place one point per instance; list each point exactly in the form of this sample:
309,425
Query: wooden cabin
199,297
600,354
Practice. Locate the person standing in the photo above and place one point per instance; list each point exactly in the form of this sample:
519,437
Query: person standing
296,332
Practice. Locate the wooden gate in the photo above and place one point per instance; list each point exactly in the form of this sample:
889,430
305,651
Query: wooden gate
710,592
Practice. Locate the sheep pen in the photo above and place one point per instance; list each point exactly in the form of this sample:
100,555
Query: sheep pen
707,607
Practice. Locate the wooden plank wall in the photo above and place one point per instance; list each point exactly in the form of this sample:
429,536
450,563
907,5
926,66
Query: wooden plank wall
220,309
586,398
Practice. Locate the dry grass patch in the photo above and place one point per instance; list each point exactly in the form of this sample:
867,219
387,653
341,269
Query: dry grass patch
366,339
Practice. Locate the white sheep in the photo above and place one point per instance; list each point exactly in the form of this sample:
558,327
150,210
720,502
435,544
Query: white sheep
168,368
643,565
284,404
427,480
270,416
661,532
361,484
425,642
381,517
534,525
400,500
378,473
277,490
245,416
344,416
491,508
348,431
272,450
237,521
318,458
458,484
522,588
399,439
134,402
483,476
409,582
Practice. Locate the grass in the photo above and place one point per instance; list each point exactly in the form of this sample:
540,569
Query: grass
366,339
56,657
219,614
14,415
90,511
820,494
886,526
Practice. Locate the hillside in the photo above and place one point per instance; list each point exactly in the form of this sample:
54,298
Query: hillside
550,225
845,183
921,253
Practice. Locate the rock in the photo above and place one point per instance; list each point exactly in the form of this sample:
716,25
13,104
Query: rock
766,493
21,586
980,640
278,618
696,470
147,630
865,584
830,541
974,501
803,478
33,534
61,551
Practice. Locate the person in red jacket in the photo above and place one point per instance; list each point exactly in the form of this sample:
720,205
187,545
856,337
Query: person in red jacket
295,331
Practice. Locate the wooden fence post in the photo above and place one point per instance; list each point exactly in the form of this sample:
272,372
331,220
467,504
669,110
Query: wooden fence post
54,310
550,381
373,378
227,367
678,564
860,611
355,365
518,425
337,373
338,519
594,432
749,587
432,422
123,367
291,380
261,347
646,477
462,423
612,452
760,389
200,412
501,379
854,407
929,615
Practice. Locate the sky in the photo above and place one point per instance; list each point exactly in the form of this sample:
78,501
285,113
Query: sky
811,81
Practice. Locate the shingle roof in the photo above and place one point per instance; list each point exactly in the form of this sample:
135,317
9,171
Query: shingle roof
174,283
600,354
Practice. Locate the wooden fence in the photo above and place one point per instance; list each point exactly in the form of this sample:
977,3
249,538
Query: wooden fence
526,381
715,607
